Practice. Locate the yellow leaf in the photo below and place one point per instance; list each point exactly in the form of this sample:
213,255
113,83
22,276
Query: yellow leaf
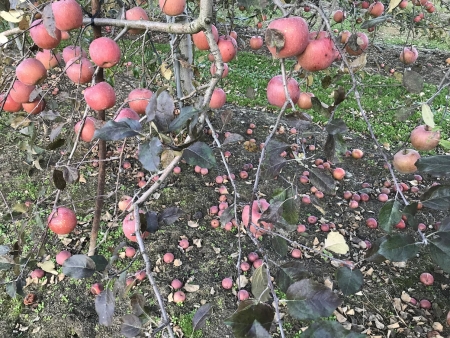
336,242
309,80
427,115
166,71
48,266
13,15
393,4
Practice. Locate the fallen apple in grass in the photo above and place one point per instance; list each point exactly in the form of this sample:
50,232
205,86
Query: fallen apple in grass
168,257
62,221
426,279
408,55
404,161
227,283
179,297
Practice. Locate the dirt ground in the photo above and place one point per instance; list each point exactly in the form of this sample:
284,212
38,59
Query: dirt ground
65,308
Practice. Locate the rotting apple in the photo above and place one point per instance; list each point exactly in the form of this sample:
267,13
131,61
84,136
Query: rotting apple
295,33
408,55
404,161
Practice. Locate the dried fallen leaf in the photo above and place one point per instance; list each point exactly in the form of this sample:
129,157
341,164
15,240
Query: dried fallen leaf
191,287
335,242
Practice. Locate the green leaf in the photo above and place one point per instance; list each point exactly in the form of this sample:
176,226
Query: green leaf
440,250
336,126
149,154
373,254
438,165
260,284
114,131
100,262
399,247
199,154
186,114
290,273
243,319
437,197
389,215
445,225
329,329
279,245
257,331
309,300
427,115
349,281
201,316
444,144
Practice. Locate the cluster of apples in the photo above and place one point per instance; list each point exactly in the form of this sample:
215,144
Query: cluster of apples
314,51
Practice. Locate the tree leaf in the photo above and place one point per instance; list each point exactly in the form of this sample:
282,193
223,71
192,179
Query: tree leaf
279,245
309,300
114,131
199,154
350,280
437,197
131,326
389,215
329,329
393,4
104,306
201,316
373,255
440,250
149,154
323,181
232,138
438,165
226,116
257,331
151,221
137,302
100,262
290,273
260,284
273,162
336,126
427,115
49,21
70,174
336,242
334,148
320,107
79,266
445,225
170,215
399,247
56,144
412,81
164,111
248,311
186,113
58,179
374,22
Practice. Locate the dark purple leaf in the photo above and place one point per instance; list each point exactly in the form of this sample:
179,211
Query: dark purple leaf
445,225
373,255
309,300
170,215
329,329
437,197
290,273
201,316
164,111
186,114
389,215
149,154
320,107
58,179
151,220
79,266
199,154
137,301
273,162
336,126
374,22
440,250
279,245
438,165
349,281
104,306
131,326
100,262
399,247
334,148
15,288
227,215
339,96
248,311
257,331
114,131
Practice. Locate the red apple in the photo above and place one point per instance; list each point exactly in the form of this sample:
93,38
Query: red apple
408,55
62,221
200,41
426,279
318,55
42,38
128,227
295,32
256,215
71,51
339,173
404,161
304,100
8,104
372,223
48,59
87,134
138,99
62,256
104,52
30,71
172,7
68,14
34,107
80,70
403,4
227,47
256,42
100,96
424,138
275,91
376,9
127,113
179,296
97,288
218,98
339,16
135,14
212,70
20,92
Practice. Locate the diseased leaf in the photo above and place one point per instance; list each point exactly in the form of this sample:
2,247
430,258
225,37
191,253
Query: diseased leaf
201,316
440,250
79,266
290,273
114,131
334,148
438,165
309,300
248,311
437,197
149,154
70,174
131,326
104,306
329,329
49,21
199,154
323,181
389,215
427,115
399,247
349,280
335,242
260,284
